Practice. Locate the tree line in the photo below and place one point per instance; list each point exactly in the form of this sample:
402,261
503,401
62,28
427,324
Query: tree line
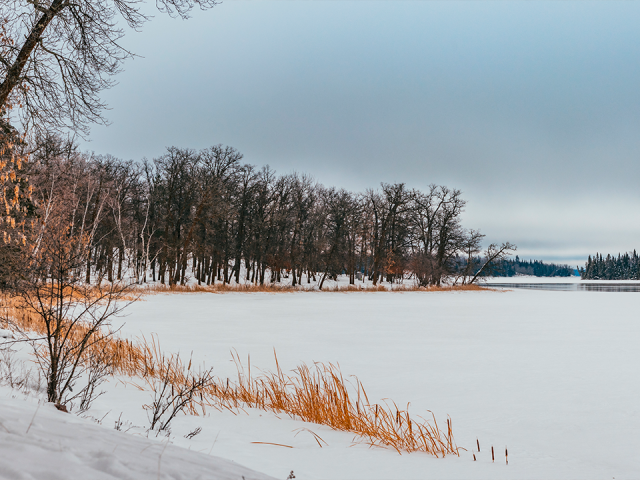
204,214
209,216
625,266
537,268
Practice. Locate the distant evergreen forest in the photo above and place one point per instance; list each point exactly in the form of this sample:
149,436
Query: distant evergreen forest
537,268
624,267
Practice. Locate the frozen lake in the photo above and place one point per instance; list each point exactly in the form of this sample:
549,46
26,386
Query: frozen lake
573,286
569,284
553,376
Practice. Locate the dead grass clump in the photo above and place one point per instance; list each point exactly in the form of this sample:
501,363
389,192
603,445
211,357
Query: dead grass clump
317,394
444,288
357,288
320,394
216,288
16,315
405,288
277,288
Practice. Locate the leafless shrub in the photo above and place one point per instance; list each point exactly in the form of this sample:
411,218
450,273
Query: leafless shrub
171,397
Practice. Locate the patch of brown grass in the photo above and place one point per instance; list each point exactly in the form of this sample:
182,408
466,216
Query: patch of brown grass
445,288
317,394
216,288
356,288
320,394
277,288
101,344
405,288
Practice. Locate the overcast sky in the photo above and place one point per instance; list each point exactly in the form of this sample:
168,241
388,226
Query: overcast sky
531,108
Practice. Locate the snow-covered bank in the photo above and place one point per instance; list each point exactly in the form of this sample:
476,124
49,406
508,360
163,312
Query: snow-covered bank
39,442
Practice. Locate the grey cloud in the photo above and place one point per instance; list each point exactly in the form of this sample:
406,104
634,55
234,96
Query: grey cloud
510,101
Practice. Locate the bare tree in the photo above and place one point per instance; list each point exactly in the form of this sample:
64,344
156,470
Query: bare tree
58,55
470,248
385,208
492,256
230,222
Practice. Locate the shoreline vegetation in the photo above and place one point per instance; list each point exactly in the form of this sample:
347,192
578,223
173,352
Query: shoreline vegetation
278,288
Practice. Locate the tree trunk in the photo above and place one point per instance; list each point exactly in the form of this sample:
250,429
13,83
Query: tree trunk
120,258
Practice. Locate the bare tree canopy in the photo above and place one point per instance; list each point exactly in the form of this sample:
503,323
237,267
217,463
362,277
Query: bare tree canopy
56,56
207,216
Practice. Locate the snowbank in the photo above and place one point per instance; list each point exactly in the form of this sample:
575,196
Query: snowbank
39,442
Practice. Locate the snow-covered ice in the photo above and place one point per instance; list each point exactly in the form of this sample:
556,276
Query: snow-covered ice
550,375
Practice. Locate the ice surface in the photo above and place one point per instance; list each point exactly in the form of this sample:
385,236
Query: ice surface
553,376
532,279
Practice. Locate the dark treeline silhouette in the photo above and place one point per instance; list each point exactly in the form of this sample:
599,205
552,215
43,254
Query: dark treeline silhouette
504,267
537,268
623,267
209,216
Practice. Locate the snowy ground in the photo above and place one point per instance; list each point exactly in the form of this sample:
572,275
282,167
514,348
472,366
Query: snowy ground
551,375
38,442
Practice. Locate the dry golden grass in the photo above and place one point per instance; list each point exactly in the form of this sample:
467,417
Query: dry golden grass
102,344
356,288
216,288
276,288
405,288
446,288
317,394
